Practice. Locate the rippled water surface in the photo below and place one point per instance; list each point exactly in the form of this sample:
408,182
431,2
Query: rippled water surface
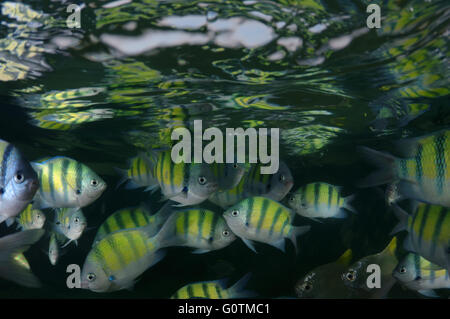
135,69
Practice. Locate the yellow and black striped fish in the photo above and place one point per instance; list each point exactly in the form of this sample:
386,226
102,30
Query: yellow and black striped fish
185,183
117,260
133,217
417,273
424,174
264,220
66,183
213,290
70,222
320,200
253,183
31,218
428,232
197,228
139,173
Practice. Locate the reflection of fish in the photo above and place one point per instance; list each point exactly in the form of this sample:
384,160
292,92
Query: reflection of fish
356,275
66,183
117,260
264,220
13,265
70,222
422,175
213,290
324,282
253,183
185,183
18,182
31,218
428,232
134,217
417,273
320,200
197,228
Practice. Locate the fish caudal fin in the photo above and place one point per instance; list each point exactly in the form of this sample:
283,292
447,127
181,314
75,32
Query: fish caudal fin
297,231
385,163
238,289
13,245
347,203
402,216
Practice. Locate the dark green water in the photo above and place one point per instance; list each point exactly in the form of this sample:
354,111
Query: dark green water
311,68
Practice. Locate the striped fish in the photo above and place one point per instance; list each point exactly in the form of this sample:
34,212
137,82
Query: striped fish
264,220
31,218
417,273
70,222
213,290
18,182
320,200
185,183
117,260
424,174
66,183
428,232
198,228
253,183
133,217
139,173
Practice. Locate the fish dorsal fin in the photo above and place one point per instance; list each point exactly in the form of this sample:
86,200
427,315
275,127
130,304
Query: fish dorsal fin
345,258
391,247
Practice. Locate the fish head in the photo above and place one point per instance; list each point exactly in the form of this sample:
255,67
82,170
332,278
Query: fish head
356,276
281,182
203,182
93,187
77,224
38,218
235,217
308,286
404,272
223,236
20,181
294,201
93,276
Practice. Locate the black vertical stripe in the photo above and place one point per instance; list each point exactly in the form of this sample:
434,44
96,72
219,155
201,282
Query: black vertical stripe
423,222
438,228
441,165
4,167
79,176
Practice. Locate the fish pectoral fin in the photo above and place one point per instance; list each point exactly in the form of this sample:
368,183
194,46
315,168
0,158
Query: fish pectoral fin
428,293
9,221
280,244
200,251
249,244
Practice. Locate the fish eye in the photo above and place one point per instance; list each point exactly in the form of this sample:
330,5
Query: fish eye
403,270
291,198
91,277
282,178
351,275
94,183
19,178
202,180
226,233
235,166
307,286
235,213
76,219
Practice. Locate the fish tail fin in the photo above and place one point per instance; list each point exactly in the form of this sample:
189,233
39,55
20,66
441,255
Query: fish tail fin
163,214
12,246
403,217
123,174
391,247
238,289
347,203
385,163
